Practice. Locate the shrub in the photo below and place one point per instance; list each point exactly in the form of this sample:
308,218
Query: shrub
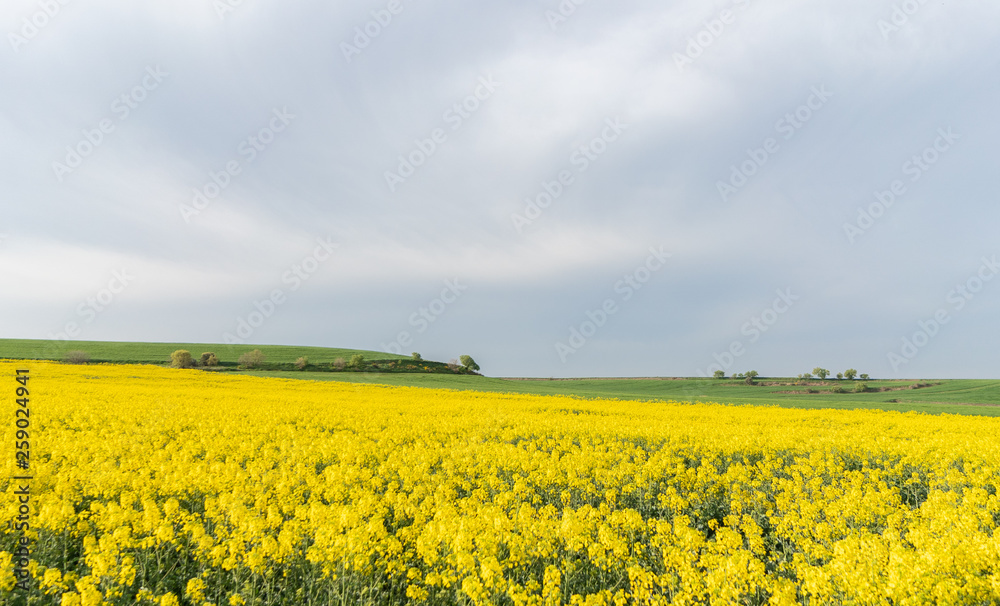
416,357
252,359
357,361
838,389
181,359
76,357
209,359
719,374
469,364
339,364
861,387
452,365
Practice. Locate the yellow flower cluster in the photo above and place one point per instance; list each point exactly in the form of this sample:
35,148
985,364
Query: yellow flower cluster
159,486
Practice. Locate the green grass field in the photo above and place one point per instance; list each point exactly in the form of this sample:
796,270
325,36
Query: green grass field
955,396
159,353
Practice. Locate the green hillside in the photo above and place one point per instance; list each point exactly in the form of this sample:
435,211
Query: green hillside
159,353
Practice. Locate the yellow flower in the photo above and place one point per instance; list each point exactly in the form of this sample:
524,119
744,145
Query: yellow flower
169,599
195,590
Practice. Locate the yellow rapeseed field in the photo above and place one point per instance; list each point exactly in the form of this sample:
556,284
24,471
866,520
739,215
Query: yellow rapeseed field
169,487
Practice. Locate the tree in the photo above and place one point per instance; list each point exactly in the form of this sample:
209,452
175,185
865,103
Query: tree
416,357
252,359
76,357
181,359
301,363
821,373
468,363
750,376
861,387
720,374
840,375
209,359
864,377
850,373
357,361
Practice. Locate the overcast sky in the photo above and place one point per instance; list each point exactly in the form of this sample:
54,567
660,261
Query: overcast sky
629,188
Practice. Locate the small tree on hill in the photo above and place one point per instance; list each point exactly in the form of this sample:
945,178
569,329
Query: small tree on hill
76,357
719,374
416,357
357,361
751,376
821,373
252,359
468,363
850,373
181,359
864,377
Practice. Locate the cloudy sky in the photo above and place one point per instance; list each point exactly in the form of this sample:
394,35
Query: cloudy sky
630,188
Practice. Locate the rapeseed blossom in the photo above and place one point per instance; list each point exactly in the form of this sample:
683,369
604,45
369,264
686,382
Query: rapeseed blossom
162,486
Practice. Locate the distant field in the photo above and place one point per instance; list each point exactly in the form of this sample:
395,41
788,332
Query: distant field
969,397
159,353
